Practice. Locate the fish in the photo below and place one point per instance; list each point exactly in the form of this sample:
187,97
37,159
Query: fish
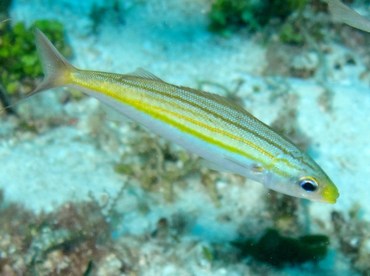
343,14
206,124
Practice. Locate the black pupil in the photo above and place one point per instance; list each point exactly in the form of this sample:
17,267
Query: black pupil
308,186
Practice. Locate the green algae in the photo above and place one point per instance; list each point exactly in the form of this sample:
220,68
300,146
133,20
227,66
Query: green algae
226,16
18,55
278,250
290,34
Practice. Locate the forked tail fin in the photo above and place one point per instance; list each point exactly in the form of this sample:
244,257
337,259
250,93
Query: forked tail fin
341,13
57,69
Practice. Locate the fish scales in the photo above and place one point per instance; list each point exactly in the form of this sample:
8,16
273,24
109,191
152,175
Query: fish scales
198,111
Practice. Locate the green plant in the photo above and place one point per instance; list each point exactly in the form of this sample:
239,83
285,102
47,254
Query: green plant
230,15
18,56
112,10
277,250
290,34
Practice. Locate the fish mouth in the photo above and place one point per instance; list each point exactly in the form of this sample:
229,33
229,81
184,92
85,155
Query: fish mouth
330,194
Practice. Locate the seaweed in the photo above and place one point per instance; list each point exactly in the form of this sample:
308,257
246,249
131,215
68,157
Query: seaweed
4,100
18,57
226,16
164,164
66,241
290,34
114,11
279,250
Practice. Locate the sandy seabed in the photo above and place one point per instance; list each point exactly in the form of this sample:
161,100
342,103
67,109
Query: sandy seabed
75,162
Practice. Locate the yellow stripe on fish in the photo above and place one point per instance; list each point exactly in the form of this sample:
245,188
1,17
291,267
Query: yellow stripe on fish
204,123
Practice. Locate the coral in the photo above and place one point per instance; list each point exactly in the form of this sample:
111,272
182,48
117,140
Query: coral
284,213
353,236
304,65
18,56
292,60
67,241
277,250
164,164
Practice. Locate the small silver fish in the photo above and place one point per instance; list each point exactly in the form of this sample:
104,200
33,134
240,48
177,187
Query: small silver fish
204,123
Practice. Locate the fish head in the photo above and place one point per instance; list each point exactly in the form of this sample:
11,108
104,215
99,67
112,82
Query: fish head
309,182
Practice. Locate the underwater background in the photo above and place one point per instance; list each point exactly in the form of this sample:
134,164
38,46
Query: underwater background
84,191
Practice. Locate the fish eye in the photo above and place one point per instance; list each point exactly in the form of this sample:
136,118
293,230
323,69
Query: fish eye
308,184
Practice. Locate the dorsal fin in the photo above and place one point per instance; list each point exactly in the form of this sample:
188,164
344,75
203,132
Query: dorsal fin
142,73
